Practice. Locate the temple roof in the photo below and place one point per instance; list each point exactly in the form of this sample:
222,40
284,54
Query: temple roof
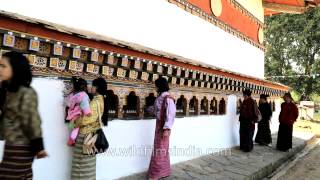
288,6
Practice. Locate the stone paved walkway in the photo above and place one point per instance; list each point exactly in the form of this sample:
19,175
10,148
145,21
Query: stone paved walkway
306,168
257,164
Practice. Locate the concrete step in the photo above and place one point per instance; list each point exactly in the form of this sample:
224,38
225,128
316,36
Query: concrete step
256,165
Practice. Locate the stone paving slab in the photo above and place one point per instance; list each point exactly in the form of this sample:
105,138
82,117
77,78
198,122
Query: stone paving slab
238,165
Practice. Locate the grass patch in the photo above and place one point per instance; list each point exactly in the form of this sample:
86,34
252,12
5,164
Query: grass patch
308,126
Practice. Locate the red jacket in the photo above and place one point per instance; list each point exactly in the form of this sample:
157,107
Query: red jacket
289,113
247,110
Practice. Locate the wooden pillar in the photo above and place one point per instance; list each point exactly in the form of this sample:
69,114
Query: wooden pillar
187,106
225,105
117,110
218,102
198,107
120,111
141,107
208,107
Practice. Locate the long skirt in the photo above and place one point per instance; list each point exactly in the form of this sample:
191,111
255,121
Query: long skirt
284,141
83,166
263,136
246,136
160,160
17,163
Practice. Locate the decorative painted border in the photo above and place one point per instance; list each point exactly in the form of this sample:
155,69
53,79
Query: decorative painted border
246,12
185,5
116,66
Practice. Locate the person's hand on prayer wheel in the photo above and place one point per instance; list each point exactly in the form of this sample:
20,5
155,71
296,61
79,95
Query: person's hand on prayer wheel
41,154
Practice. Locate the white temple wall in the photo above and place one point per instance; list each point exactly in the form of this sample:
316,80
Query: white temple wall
127,138
156,24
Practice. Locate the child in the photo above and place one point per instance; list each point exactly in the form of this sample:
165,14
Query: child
78,106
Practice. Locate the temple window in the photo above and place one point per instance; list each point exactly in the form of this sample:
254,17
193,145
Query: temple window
220,80
149,105
226,80
193,83
198,76
222,107
131,64
186,81
181,106
150,66
215,79
174,72
124,62
84,56
193,106
206,78
214,106
204,106
132,108
66,51
155,68
165,70
113,104
22,45
218,86
190,74
183,73
145,66
117,60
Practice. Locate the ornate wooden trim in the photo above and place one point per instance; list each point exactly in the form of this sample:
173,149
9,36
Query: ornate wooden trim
246,12
283,8
27,30
46,62
185,5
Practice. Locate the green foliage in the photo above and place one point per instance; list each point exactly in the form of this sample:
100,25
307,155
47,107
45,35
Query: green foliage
296,96
292,48
315,98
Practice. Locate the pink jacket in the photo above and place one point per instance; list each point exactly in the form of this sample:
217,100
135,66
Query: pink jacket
78,105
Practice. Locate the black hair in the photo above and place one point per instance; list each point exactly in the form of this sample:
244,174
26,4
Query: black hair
264,96
247,92
288,94
3,94
79,84
162,85
21,74
21,71
102,87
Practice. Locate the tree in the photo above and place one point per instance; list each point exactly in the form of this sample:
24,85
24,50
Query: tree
293,51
